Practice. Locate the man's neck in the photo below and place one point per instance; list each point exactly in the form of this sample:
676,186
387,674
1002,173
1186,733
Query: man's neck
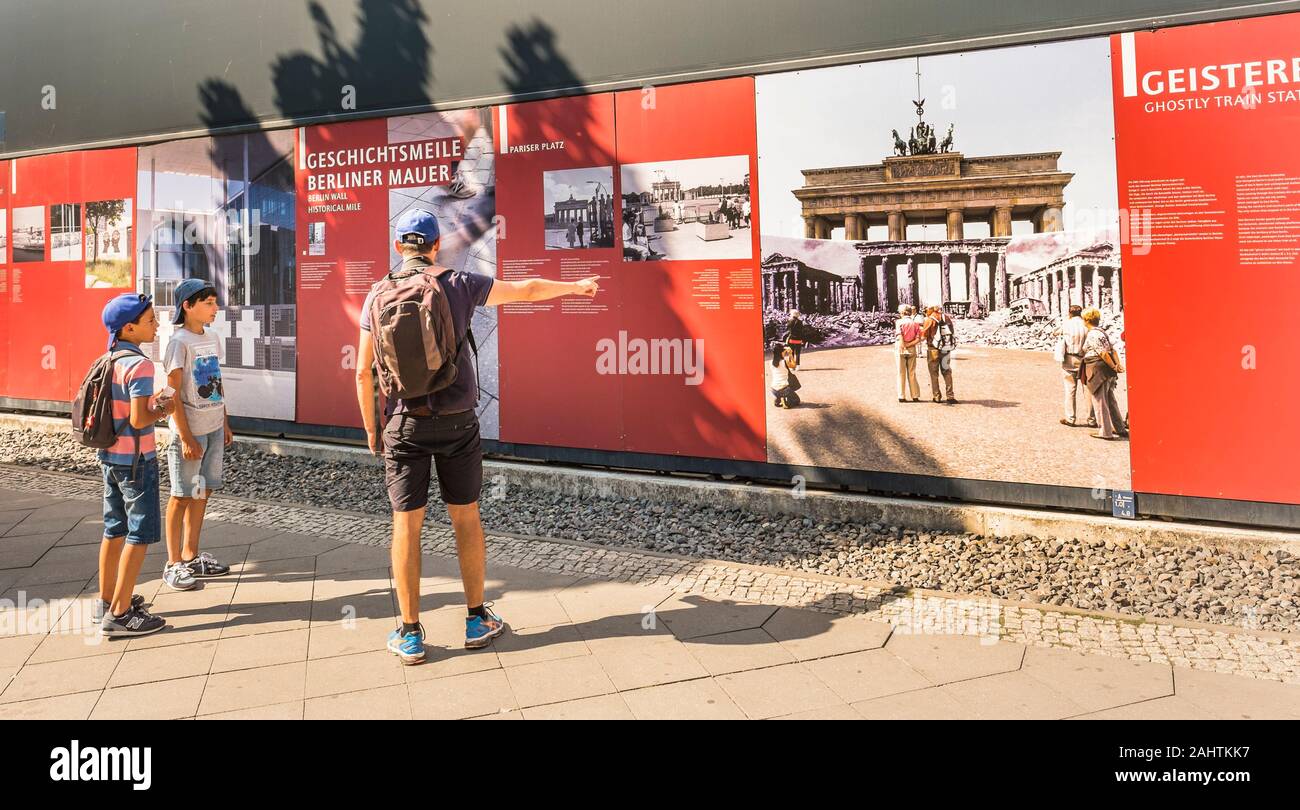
427,265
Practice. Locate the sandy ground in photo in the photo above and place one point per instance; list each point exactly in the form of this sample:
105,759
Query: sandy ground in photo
1005,427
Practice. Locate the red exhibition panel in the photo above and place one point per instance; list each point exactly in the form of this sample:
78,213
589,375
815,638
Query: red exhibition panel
704,289
55,300
5,264
39,324
332,286
1206,117
559,154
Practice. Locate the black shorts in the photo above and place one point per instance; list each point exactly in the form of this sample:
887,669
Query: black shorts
449,441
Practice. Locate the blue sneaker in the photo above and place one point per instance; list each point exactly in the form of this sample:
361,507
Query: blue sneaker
480,632
410,647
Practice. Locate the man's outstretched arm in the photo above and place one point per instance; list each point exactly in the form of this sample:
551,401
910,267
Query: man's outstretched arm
539,289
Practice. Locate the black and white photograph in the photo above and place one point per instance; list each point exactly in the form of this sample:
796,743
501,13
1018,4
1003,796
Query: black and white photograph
579,208
680,210
4,236
316,239
29,231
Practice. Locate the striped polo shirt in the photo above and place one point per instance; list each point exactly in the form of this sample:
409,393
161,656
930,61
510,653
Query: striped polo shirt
132,377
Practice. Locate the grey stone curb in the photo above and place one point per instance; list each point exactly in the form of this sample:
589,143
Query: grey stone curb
989,521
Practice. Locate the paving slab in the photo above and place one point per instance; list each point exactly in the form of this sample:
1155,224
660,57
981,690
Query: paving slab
384,703
1097,682
57,517
164,664
60,678
1012,695
602,707
558,681
252,688
292,710
536,644
1165,708
460,696
777,691
921,704
809,634
15,500
352,673
737,651
260,650
167,700
701,699
831,713
634,662
867,675
62,707
24,551
694,616
945,659
1235,698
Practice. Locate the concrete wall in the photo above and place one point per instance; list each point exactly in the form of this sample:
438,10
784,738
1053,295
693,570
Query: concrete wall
129,71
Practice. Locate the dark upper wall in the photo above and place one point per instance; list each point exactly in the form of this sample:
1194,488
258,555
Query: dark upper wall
130,70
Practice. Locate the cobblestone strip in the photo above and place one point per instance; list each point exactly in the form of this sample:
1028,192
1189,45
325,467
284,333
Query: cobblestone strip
1264,657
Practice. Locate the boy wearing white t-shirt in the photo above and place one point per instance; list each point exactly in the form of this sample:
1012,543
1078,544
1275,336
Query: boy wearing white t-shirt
200,433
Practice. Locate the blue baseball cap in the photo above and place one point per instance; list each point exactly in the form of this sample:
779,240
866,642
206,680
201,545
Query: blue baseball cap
122,310
416,227
184,290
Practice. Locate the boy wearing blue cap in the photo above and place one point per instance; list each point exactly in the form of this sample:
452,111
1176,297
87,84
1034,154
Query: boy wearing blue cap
439,430
130,470
200,433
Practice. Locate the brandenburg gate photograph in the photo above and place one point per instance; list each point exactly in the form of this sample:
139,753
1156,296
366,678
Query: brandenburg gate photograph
947,188
892,187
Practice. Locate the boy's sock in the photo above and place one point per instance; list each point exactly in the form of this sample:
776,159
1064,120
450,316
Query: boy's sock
479,611
410,627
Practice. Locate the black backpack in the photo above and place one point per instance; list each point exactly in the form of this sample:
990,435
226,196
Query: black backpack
92,410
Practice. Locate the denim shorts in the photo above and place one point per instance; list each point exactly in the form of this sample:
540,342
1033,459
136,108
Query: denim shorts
131,502
194,478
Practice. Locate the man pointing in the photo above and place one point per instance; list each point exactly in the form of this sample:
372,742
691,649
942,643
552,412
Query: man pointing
439,429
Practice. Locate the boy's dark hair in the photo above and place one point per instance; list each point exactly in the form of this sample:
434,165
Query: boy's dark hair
205,293
1075,310
118,334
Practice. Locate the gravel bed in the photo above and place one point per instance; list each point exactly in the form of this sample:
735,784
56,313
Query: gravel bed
1253,590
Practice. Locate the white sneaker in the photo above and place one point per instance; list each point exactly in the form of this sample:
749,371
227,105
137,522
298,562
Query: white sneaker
178,577
460,189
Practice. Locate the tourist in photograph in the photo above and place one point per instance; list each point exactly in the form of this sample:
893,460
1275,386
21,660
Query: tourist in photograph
581,243
941,339
907,336
570,234
1101,370
1069,353
796,334
784,383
